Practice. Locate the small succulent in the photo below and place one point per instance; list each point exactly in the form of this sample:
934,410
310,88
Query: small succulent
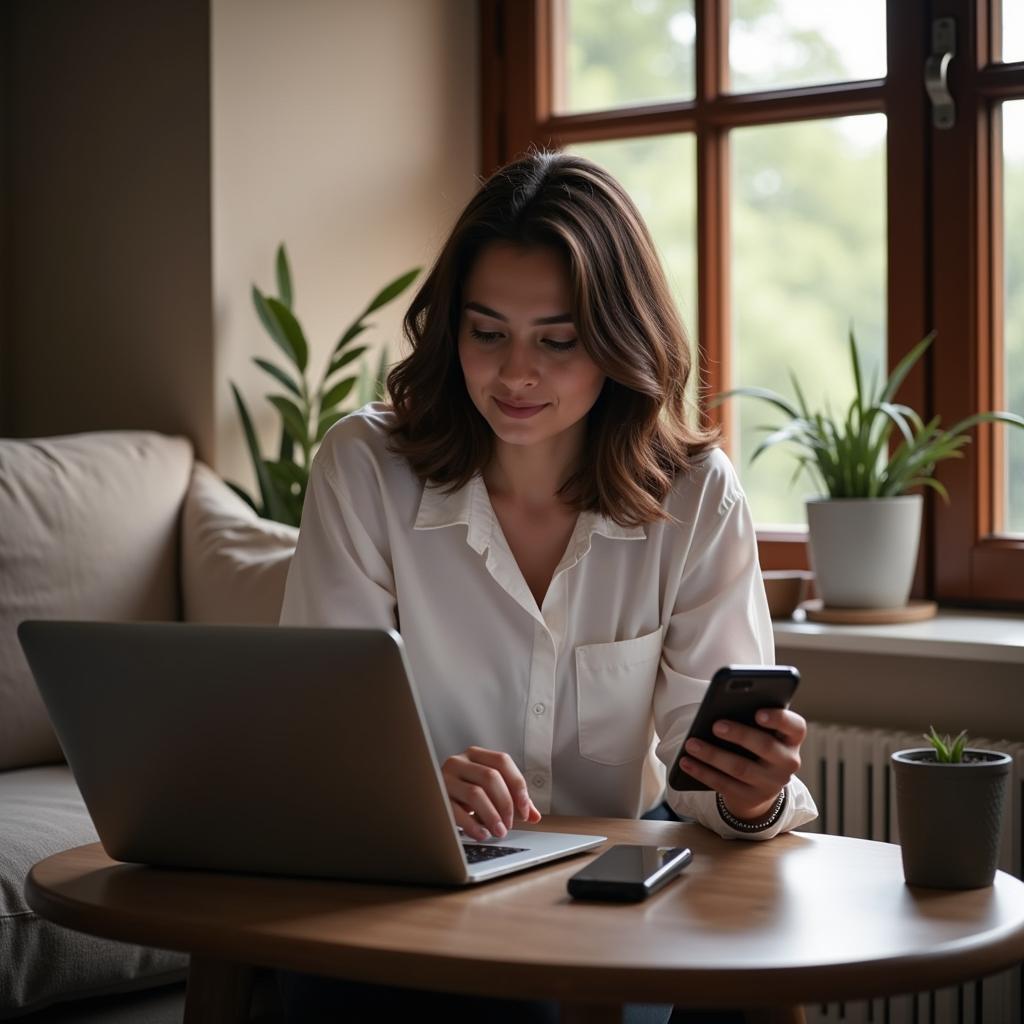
948,749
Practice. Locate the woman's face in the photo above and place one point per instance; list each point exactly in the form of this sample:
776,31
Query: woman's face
525,369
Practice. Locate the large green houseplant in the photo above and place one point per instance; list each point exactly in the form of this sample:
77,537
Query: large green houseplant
864,530
306,412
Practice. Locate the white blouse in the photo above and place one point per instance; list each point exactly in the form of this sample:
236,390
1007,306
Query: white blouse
591,693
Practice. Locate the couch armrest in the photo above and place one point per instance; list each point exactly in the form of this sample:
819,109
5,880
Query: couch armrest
88,530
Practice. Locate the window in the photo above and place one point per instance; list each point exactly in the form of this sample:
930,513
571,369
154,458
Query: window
975,187
1012,466
784,154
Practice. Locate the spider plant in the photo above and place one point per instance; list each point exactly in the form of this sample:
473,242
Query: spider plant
853,456
306,412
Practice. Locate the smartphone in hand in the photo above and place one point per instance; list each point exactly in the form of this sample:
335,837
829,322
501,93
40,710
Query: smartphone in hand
736,692
626,872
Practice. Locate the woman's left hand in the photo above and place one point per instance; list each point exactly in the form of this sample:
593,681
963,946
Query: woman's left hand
750,787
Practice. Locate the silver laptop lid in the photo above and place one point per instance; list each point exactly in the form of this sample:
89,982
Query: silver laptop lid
278,750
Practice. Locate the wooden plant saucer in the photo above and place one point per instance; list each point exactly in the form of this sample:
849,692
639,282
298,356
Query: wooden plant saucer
912,611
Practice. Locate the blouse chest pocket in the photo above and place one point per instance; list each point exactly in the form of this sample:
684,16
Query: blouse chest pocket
614,694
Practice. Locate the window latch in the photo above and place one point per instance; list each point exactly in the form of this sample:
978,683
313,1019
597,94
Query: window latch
936,72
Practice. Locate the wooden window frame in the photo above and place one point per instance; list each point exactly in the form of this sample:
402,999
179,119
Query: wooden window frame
972,563
923,166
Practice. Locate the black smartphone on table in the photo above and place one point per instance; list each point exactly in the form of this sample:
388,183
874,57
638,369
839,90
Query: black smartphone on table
736,692
625,872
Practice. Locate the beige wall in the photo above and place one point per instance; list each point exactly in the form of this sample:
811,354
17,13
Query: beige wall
349,130
6,53
107,229
154,156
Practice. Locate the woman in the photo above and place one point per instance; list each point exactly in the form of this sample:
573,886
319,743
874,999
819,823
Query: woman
567,558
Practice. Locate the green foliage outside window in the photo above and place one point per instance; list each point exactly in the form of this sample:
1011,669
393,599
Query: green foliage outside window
807,220
1013,306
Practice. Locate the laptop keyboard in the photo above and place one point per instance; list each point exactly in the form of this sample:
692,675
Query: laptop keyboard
476,853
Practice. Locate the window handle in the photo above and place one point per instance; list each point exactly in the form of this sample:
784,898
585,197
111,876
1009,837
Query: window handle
936,71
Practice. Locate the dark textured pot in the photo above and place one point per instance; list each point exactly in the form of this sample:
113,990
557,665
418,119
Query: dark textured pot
950,816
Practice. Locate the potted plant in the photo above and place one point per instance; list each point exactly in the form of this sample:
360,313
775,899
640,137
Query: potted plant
307,413
864,529
949,808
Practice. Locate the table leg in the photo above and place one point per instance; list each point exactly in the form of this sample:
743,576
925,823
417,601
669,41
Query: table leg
776,1015
590,1013
218,991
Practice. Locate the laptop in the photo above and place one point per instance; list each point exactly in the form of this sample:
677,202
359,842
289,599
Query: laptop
266,749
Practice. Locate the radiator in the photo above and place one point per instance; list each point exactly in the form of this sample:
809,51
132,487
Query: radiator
847,771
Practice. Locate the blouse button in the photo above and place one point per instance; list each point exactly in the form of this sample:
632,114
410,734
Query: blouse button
538,709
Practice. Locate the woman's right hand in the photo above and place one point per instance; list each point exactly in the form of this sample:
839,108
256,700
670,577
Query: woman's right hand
488,792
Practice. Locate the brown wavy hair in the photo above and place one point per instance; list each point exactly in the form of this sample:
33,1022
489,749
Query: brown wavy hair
638,437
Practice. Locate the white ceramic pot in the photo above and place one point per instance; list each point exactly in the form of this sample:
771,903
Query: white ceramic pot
863,550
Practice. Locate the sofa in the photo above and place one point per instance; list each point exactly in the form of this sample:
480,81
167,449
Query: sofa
118,526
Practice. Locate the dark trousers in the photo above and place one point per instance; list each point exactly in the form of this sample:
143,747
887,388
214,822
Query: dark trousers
311,999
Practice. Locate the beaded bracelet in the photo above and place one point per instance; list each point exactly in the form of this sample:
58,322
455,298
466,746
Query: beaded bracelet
742,826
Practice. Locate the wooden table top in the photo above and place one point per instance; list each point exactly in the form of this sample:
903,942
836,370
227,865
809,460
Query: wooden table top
798,919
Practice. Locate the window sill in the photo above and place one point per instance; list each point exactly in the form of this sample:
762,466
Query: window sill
953,633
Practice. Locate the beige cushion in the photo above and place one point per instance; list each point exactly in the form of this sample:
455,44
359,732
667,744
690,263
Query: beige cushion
42,814
88,530
234,563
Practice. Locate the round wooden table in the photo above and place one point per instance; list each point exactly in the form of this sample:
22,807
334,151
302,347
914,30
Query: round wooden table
796,920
